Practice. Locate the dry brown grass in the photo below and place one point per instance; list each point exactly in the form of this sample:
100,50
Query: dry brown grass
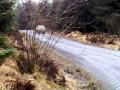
11,78
11,64
102,39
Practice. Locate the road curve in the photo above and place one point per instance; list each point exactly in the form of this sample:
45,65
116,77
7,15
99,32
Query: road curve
104,64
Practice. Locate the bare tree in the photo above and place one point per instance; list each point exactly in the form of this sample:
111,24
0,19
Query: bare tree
38,46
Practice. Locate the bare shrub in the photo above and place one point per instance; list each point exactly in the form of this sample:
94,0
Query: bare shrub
38,46
36,54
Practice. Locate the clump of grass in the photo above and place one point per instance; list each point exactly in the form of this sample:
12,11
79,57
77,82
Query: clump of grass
111,42
11,78
50,68
24,85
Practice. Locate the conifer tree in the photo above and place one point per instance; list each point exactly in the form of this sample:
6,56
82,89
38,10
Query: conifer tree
6,14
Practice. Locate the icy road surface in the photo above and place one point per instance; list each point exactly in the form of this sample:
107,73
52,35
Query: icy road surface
104,64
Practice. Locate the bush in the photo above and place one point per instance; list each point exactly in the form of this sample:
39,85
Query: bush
27,65
36,55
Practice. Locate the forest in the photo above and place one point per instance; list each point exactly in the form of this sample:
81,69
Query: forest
83,15
78,44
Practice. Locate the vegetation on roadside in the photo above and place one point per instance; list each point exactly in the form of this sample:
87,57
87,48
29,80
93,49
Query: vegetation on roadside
36,56
26,65
26,59
97,38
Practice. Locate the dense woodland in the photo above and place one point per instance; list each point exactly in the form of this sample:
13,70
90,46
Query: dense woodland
82,15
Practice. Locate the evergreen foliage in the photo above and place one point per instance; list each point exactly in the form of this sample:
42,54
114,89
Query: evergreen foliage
107,12
6,14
